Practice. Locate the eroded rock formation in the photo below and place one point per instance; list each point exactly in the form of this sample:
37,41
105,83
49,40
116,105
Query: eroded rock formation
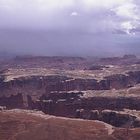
74,88
52,93
21,125
115,118
13,101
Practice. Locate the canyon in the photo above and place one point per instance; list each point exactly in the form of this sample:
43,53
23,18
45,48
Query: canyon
72,92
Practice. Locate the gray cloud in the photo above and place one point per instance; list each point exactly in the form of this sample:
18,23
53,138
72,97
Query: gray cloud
58,13
72,27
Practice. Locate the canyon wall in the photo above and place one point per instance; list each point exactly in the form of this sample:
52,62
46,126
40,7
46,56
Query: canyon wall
53,94
13,101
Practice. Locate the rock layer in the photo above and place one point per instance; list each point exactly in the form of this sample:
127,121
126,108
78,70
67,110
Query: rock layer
23,125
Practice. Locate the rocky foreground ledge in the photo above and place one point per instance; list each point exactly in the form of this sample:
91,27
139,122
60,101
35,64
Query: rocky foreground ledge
26,125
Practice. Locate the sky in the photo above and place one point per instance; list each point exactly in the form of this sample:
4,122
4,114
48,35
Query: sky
70,27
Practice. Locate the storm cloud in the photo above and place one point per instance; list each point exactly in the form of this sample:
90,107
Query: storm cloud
70,27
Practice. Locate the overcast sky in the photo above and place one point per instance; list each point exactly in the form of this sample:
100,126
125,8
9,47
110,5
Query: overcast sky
70,27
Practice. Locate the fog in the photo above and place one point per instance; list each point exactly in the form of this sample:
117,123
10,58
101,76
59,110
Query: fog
70,27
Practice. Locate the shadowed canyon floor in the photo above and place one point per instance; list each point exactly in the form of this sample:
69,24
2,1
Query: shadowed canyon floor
80,98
